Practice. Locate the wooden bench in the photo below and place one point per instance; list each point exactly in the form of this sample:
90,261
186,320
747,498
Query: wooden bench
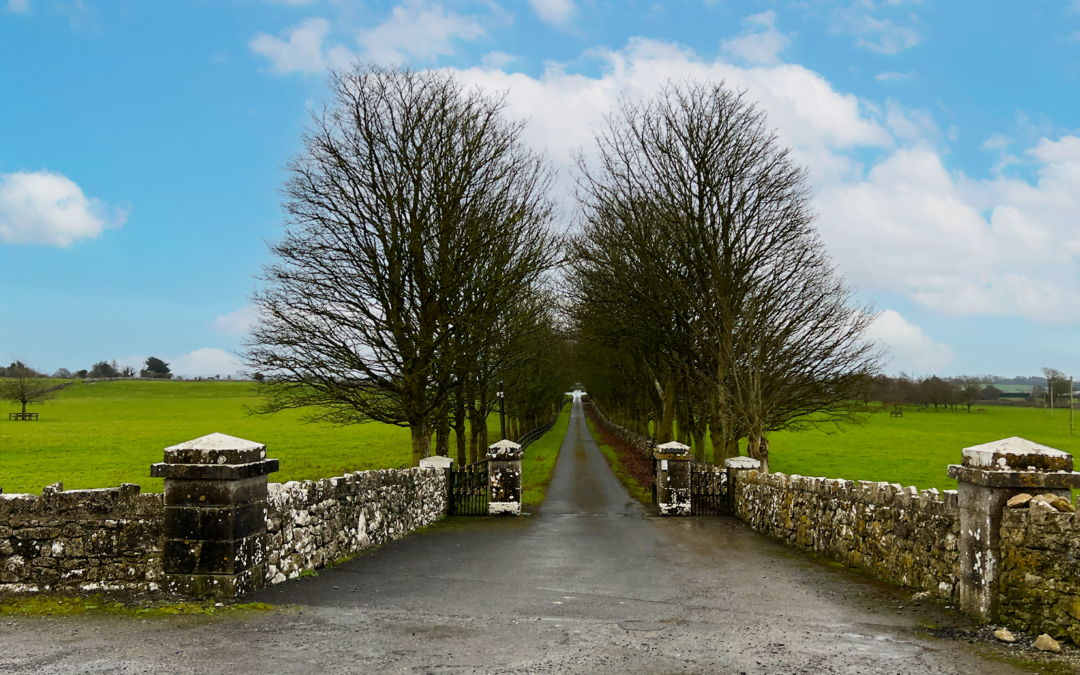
896,413
30,417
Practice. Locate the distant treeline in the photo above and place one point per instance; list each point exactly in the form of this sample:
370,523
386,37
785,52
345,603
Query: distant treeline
963,391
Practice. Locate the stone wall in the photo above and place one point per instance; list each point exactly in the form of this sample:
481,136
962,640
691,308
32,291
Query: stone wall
1040,569
81,540
633,439
312,523
897,534
112,539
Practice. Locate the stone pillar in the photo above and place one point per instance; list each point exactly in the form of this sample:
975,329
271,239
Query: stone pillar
736,466
989,476
444,464
215,515
504,479
673,478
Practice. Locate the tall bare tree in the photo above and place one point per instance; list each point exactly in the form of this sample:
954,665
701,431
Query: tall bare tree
415,213
698,248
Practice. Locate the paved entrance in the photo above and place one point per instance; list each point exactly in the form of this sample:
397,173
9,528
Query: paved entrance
590,584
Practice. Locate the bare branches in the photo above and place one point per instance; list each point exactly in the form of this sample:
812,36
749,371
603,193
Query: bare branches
416,216
699,257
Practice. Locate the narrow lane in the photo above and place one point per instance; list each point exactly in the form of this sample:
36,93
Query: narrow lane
590,584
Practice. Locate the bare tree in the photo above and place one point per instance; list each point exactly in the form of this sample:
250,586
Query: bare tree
415,212
969,390
1057,383
698,250
25,385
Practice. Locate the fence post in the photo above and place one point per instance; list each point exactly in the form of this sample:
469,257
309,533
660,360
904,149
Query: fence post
735,466
504,478
988,476
446,465
672,478
215,515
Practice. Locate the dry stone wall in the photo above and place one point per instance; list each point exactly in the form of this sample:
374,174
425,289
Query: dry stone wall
81,540
1040,569
312,523
631,438
896,534
113,539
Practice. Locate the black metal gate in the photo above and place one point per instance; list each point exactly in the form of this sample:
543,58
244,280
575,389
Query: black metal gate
708,490
469,490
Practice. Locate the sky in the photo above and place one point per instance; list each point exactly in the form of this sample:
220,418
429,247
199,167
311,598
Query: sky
142,146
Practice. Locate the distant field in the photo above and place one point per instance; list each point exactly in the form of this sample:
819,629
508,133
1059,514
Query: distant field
104,434
915,449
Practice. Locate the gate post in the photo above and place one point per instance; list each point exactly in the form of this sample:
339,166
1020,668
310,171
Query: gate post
215,515
504,478
672,478
446,465
735,466
988,476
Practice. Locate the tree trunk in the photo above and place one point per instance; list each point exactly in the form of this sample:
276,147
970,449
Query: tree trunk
442,435
459,426
475,423
421,442
665,433
724,445
759,450
698,429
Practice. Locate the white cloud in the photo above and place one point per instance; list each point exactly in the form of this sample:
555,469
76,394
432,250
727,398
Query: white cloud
497,60
556,12
208,361
421,30
909,348
878,35
42,207
18,6
896,77
236,323
417,29
760,42
959,246
564,109
303,50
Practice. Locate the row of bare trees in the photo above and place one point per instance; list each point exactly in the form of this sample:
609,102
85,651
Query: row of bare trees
412,281
415,272
702,297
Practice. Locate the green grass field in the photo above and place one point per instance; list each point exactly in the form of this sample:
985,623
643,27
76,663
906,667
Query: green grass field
105,434
914,449
101,435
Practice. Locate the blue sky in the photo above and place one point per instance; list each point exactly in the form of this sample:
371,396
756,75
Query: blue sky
141,146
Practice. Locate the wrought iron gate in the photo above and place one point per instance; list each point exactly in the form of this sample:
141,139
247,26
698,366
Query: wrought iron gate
708,490
469,490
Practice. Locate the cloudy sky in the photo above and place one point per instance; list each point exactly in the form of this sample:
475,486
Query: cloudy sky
141,146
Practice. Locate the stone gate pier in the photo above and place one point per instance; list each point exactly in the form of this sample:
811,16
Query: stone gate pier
215,516
988,476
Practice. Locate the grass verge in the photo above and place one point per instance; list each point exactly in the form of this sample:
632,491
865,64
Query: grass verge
46,605
538,464
629,465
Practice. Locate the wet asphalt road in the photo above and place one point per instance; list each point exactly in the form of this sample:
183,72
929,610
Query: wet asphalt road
592,583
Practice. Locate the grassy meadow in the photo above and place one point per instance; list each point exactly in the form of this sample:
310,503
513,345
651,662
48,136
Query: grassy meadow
914,449
105,434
